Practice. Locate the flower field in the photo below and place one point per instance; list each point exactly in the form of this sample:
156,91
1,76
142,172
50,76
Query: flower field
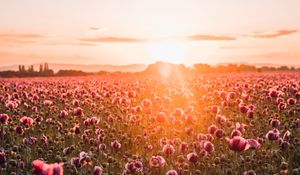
246,124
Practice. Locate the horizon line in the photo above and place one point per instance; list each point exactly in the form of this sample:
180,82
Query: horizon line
159,61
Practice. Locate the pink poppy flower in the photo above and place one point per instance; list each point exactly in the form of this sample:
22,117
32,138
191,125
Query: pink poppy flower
4,118
172,172
215,109
134,166
192,157
238,143
157,161
286,135
219,133
161,117
208,146
63,114
26,120
236,133
146,103
254,143
116,145
19,130
178,112
273,134
291,101
220,118
2,158
243,108
78,111
250,114
42,168
274,122
211,129
97,170
168,149
183,147
250,172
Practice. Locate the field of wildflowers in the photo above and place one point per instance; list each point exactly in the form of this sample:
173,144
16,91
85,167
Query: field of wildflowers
242,124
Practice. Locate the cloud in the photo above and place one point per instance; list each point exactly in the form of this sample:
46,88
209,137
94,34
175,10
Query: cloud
19,38
112,40
267,35
94,28
86,44
236,47
209,38
272,34
20,35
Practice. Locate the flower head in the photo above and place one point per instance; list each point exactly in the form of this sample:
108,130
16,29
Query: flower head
42,168
192,157
238,143
4,118
157,161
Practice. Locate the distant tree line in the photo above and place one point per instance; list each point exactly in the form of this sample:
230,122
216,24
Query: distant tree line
157,68
205,68
44,71
72,73
153,69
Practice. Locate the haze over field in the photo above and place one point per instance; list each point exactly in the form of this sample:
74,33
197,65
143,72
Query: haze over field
142,32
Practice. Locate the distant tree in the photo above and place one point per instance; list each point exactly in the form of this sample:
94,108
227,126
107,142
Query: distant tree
283,68
47,70
247,68
221,68
30,68
202,68
292,68
46,67
231,68
23,69
71,73
41,68
102,73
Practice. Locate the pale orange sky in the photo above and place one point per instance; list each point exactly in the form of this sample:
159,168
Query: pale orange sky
145,31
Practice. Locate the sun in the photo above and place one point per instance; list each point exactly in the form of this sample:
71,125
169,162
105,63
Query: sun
168,51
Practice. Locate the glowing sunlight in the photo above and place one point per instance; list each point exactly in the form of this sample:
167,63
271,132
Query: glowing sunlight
168,51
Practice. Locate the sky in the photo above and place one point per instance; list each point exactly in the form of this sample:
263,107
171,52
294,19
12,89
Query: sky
124,32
